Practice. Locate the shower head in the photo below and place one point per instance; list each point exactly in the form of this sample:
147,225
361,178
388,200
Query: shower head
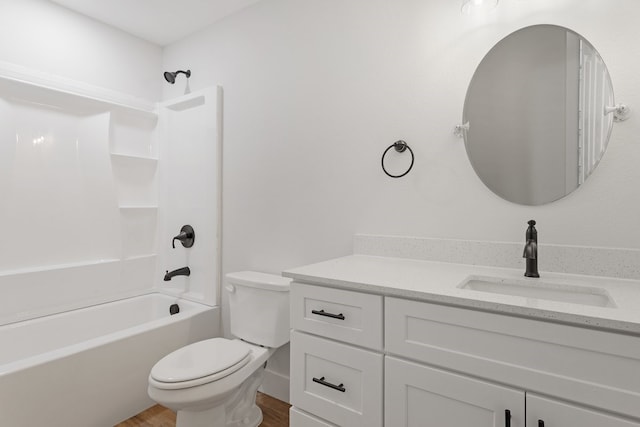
171,76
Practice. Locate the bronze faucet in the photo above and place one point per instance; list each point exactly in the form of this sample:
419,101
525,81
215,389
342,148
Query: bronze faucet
531,250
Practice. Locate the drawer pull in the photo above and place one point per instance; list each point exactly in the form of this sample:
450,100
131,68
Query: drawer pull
325,314
328,384
540,423
507,418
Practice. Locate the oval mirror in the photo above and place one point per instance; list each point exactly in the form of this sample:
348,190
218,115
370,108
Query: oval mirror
535,109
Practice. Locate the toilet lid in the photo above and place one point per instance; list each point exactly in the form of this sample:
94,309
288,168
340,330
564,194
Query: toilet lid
200,359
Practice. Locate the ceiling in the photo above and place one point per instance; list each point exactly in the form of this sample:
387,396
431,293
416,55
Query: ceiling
158,21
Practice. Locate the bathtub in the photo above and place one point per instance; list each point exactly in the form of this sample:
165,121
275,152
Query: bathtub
89,367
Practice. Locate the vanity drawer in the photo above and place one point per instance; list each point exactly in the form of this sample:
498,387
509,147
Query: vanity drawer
352,317
297,418
341,383
594,367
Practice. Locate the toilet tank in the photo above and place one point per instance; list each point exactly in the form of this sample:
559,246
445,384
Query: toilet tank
259,307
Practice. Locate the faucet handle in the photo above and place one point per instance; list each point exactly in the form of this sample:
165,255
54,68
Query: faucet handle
186,237
531,233
182,237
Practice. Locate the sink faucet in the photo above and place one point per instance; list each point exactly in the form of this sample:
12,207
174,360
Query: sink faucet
184,271
531,250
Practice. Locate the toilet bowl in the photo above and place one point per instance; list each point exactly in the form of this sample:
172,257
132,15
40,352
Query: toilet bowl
214,382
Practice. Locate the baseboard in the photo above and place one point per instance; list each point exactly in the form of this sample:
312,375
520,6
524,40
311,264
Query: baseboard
275,385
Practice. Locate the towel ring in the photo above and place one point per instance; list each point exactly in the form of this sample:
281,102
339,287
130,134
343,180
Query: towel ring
400,146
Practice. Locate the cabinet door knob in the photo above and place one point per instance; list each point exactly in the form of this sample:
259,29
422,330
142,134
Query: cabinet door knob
507,418
540,423
325,314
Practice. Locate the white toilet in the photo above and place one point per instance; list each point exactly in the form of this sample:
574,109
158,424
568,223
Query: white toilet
214,382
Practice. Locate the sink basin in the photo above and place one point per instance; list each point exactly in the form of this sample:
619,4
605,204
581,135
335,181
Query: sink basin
536,289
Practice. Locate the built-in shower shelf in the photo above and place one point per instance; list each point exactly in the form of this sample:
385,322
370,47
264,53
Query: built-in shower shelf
135,178
45,268
136,158
140,257
133,207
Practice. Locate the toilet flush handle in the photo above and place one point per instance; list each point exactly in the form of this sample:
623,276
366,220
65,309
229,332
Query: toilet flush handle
230,288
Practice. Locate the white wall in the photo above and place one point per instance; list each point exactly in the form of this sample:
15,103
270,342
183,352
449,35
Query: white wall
315,90
42,36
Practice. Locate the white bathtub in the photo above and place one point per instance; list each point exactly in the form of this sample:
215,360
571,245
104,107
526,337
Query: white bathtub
89,367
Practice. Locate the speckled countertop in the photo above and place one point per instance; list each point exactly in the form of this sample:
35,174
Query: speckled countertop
439,282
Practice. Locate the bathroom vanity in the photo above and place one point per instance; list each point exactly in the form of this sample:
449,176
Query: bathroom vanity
399,342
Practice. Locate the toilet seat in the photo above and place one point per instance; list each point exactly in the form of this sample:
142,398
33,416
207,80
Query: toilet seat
200,363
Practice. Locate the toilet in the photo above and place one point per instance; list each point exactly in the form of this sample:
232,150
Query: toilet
214,382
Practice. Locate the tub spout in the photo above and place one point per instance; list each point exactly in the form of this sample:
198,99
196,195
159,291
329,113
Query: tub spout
184,271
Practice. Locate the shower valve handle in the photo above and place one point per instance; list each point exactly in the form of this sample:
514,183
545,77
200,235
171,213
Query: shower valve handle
186,237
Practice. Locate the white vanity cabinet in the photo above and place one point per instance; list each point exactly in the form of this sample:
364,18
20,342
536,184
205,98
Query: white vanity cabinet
448,366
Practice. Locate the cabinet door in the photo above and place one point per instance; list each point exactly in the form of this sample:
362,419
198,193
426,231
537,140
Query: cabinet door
421,396
543,412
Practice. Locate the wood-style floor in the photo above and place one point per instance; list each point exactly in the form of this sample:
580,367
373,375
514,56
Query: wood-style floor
275,413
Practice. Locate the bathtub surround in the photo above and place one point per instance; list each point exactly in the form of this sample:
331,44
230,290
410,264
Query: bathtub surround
79,177
79,161
78,182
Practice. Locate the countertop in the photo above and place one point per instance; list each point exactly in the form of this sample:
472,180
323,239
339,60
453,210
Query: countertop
438,282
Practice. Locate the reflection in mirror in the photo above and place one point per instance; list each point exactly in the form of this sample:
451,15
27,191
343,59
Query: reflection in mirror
536,114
